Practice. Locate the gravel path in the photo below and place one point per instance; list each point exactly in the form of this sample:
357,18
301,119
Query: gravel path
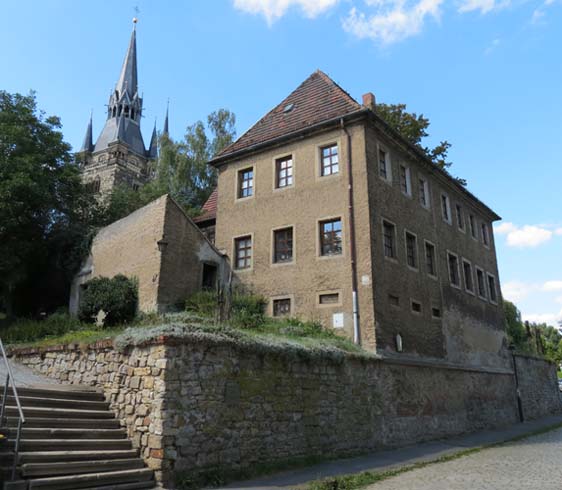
531,464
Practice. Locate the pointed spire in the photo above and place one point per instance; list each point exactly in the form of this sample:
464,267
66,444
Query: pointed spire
165,130
88,144
153,148
128,79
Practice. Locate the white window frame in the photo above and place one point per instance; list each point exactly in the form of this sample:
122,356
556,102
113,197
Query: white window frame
459,285
449,219
408,176
466,261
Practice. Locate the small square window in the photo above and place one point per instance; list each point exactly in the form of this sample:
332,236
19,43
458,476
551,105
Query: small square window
245,183
430,259
329,160
389,239
282,307
411,250
331,237
416,307
394,300
467,272
283,245
405,183
284,172
436,312
243,252
329,298
453,269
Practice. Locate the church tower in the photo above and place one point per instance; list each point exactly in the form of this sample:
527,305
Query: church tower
119,156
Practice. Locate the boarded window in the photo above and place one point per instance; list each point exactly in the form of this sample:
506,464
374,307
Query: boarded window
329,298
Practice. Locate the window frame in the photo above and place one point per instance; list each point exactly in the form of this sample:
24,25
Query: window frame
485,297
435,267
235,241
407,180
321,157
446,208
320,233
274,232
485,234
319,294
285,297
461,222
493,298
469,263
415,301
436,317
473,226
388,165
276,172
423,182
239,182
393,258
408,233
452,284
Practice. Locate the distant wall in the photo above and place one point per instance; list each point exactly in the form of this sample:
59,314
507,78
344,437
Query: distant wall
199,405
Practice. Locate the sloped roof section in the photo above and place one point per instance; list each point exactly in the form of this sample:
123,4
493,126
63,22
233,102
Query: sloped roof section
316,100
209,209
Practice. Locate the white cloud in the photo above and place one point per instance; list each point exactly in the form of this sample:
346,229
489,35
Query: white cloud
484,6
558,300
548,318
558,231
537,17
275,9
524,236
517,290
493,45
552,286
392,20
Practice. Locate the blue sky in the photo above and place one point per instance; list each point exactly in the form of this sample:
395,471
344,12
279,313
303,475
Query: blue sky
486,72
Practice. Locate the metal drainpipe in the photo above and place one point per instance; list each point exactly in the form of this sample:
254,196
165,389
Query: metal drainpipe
356,331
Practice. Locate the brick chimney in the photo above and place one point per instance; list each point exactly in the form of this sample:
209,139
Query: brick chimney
369,101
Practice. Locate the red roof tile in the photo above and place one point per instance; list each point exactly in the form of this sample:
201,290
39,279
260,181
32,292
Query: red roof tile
209,209
316,100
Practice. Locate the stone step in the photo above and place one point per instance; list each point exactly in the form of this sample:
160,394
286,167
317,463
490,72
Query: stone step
66,392
61,413
126,486
55,433
35,401
30,445
60,456
65,423
29,470
89,480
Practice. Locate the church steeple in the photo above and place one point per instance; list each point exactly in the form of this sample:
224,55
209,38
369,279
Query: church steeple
153,148
88,144
165,130
128,80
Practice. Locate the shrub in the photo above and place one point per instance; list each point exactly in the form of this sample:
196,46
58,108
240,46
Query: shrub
203,303
117,297
25,330
248,311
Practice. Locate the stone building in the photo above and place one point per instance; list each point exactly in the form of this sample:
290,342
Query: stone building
119,156
333,216
159,246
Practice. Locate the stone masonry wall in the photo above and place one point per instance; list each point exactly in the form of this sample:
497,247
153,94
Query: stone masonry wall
192,405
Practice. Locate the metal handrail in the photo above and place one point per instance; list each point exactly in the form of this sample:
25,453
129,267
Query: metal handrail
21,419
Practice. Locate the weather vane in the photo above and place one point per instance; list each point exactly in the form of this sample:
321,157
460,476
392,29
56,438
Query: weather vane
136,17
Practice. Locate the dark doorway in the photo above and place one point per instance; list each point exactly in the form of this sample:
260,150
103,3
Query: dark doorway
209,276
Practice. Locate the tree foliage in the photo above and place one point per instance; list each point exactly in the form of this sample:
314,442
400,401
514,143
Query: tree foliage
413,127
44,208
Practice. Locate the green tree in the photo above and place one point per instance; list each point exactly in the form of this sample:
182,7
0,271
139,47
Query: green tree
515,329
414,128
43,205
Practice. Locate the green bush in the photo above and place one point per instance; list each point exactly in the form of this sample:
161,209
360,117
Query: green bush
203,303
24,330
117,297
248,311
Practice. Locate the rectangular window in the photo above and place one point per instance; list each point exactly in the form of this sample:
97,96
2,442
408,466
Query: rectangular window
430,259
416,307
446,208
492,289
405,184
485,238
472,226
329,298
243,252
453,269
283,245
331,237
411,250
284,172
394,300
329,160
467,272
282,307
245,183
383,165
436,312
460,217
423,189
480,282
389,239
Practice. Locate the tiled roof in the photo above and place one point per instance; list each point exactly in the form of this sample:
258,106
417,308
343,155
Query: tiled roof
209,209
316,100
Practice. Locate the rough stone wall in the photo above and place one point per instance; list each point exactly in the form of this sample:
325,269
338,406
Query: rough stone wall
311,198
470,330
191,406
538,386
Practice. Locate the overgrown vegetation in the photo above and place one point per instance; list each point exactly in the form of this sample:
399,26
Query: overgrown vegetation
116,298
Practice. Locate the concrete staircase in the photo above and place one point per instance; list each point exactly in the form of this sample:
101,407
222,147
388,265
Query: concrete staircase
71,440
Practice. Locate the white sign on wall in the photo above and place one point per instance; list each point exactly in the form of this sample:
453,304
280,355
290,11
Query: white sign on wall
337,320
